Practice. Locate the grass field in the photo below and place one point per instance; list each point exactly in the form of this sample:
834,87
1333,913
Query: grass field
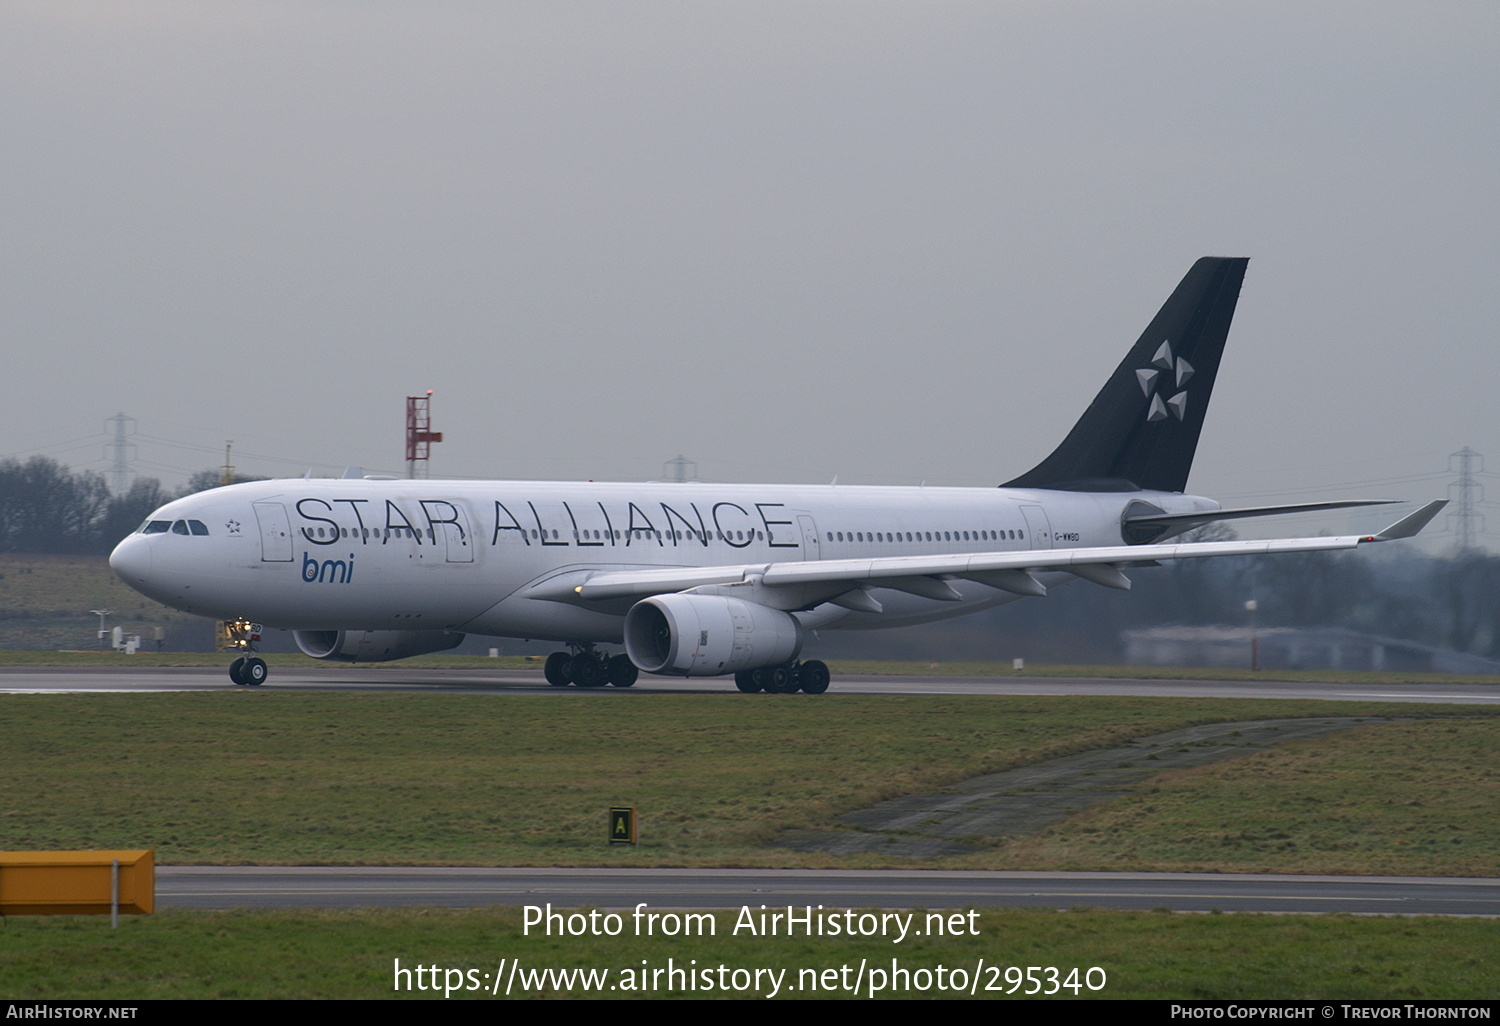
352,955
39,583
45,603
265,777
242,776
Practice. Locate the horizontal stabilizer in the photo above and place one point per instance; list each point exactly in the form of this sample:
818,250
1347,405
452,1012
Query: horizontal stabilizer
1140,528
1208,516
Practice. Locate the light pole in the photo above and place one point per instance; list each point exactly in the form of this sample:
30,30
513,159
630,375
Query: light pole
101,614
1250,606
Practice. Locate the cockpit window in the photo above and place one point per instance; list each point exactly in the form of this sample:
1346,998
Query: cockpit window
198,526
156,527
180,527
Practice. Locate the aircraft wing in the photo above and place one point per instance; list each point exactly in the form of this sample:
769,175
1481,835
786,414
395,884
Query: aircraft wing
1010,571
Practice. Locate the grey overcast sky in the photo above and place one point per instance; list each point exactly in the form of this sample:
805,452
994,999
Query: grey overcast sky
894,242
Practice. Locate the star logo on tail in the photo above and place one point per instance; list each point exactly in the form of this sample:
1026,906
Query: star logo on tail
1170,373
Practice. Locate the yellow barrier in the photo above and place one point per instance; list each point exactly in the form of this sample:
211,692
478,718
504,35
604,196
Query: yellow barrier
46,883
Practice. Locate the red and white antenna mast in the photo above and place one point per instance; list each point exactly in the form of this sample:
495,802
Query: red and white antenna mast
419,433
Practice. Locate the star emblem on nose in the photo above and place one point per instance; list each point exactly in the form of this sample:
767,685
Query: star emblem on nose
233,526
1170,373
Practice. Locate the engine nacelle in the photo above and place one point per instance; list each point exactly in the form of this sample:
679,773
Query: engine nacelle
373,646
706,635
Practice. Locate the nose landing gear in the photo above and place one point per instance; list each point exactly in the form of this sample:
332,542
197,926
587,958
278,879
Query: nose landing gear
251,672
241,636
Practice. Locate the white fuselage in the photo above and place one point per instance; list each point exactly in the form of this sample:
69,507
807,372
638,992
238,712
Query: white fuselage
476,557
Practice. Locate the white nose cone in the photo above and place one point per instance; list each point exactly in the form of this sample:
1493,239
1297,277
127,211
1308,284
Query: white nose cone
132,561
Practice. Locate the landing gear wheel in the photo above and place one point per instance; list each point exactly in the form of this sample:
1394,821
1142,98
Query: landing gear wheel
255,672
622,672
761,679
745,681
558,670
813,676
779,680
587,670
237,671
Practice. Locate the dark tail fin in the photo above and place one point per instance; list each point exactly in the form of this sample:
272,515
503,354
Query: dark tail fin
1141,430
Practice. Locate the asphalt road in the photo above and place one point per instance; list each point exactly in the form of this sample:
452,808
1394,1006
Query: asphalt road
34,679
222,887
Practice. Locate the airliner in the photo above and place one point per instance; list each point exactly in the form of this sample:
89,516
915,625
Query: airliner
703,580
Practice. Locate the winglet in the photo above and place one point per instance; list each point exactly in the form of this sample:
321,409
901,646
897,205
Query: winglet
1409,525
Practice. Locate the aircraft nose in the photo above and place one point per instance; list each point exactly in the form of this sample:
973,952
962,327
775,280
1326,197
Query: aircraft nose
131,560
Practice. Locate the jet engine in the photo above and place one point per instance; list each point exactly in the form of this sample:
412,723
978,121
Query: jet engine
373,646
706,635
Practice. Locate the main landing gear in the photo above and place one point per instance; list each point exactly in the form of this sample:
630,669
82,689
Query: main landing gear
810,677
241,636
587,668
